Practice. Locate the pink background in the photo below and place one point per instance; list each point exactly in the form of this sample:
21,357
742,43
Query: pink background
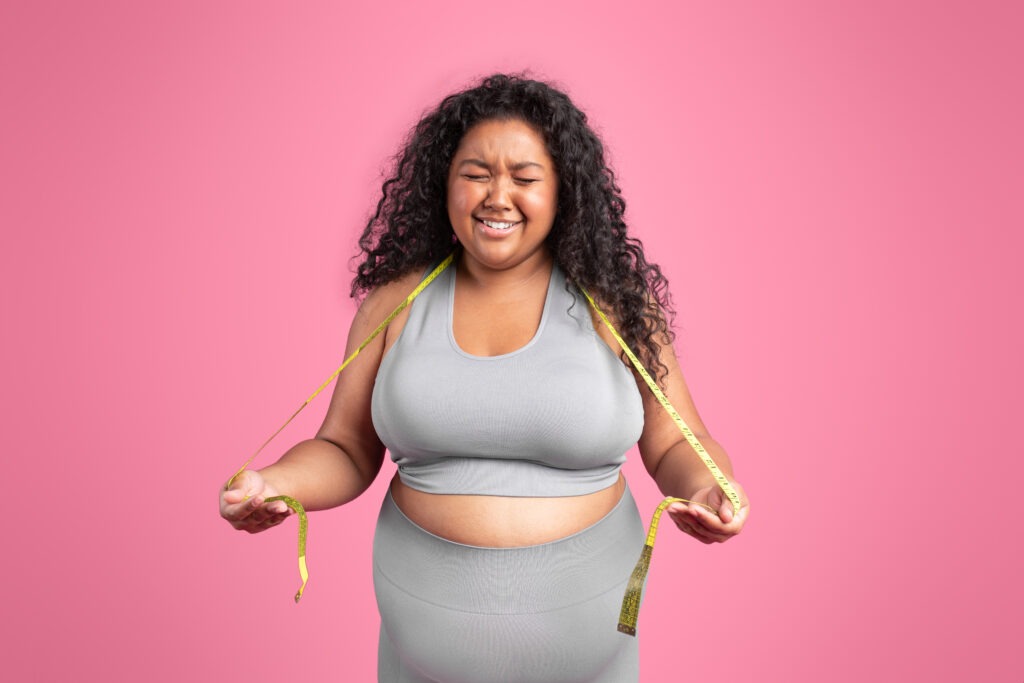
834,190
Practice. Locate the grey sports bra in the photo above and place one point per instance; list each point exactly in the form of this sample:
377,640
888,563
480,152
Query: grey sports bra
553,418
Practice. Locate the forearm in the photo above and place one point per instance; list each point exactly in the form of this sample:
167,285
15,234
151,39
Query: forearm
681,472
318,474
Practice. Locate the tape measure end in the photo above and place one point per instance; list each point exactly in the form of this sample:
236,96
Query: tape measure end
627,629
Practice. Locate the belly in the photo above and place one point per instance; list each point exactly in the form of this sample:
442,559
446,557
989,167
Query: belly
503,521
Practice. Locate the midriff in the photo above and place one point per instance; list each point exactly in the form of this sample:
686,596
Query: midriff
504,521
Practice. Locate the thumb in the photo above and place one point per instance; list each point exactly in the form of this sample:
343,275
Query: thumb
243,486
725,511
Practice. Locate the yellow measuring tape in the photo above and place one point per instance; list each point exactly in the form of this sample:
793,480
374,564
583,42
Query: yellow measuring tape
634,589
291,502
631,601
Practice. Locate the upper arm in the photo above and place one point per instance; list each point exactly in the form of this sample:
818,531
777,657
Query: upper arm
660,433
348,422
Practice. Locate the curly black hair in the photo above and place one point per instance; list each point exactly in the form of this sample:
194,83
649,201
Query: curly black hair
411,230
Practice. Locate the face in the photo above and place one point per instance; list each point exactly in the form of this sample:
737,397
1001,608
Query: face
502,194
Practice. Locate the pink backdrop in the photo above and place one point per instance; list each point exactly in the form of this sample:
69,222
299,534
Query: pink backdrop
834,190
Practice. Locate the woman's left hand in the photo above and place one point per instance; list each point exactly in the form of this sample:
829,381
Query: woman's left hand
706,526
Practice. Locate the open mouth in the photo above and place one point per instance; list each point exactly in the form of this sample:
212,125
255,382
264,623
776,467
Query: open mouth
500,226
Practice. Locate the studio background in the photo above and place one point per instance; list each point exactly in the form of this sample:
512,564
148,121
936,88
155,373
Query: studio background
833,190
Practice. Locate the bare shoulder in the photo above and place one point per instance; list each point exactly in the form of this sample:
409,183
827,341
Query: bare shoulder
602,329
381,302
608,336
386,297
348,422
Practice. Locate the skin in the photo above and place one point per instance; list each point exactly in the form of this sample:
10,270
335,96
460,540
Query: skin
501,171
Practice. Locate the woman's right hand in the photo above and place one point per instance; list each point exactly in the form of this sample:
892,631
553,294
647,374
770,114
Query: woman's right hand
243,503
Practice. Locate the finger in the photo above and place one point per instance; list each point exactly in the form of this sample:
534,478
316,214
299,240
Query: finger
715,497
725,510
238,491
680,515
688,524
711,526
686,508
233,496
245,511
702,535
688,514
273,509
732,518
735,514
717,527
739,519
242,481
273,520
277,507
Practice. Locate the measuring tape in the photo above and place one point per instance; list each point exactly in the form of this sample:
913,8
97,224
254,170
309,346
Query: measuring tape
631,602
634,589
291,502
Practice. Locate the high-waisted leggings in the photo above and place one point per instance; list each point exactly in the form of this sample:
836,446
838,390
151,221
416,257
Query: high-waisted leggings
546,613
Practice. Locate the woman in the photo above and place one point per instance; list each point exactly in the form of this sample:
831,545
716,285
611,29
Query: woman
504,545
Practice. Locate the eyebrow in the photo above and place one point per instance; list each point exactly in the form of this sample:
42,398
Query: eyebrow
515,167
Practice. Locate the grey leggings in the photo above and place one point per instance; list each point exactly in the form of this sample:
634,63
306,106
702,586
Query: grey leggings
547,613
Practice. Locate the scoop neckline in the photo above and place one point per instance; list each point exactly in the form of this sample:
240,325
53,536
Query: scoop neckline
525,347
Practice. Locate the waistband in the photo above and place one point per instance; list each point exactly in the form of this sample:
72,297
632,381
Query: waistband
525,579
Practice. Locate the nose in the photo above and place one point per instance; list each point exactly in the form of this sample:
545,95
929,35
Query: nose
498,195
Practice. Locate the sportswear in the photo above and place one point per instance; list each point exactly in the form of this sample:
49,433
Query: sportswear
552,418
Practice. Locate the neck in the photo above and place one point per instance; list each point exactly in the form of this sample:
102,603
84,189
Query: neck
537,265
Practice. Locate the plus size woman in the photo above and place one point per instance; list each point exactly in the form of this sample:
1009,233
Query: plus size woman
507,536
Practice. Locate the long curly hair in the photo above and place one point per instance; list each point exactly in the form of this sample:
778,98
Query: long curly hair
410,228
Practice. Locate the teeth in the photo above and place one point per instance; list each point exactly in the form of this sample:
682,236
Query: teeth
497,226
